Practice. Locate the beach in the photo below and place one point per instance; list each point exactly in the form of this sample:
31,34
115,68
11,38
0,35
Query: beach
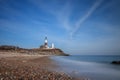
15,66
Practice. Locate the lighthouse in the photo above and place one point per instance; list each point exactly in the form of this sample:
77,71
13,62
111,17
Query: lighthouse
46,43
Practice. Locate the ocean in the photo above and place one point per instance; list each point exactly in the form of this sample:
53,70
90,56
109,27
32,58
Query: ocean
93,67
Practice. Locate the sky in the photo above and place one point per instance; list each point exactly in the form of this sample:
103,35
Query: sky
82,27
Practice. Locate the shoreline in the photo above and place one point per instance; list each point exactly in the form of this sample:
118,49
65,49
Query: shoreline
34,67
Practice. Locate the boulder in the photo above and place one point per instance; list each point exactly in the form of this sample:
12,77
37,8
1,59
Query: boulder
115,62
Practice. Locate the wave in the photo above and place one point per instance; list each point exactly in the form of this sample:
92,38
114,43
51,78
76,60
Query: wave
73,61
90,69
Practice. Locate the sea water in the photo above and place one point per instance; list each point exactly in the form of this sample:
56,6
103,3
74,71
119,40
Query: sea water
94,67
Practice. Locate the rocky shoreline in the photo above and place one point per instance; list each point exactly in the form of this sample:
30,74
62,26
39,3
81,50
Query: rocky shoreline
22,67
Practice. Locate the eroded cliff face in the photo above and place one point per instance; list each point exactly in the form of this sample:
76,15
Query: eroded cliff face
35,51
55,51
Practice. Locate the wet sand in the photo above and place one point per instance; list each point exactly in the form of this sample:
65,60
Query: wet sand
29,67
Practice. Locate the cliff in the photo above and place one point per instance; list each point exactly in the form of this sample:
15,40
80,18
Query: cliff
36,51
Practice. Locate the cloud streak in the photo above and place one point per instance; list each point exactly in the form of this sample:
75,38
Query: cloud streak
85,17
63,16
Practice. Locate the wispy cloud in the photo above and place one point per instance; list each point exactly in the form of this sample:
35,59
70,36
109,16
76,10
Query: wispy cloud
64,15
85,17
60,12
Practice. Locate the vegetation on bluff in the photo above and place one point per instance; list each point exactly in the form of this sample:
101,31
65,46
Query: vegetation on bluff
34,51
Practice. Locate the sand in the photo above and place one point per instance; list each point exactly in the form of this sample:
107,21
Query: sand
15,66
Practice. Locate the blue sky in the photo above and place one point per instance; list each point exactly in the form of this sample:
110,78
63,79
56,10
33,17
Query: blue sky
75,26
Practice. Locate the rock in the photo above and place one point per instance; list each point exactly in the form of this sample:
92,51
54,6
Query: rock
24,61
116,62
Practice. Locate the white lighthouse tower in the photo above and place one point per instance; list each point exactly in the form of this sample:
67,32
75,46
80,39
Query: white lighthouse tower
46,43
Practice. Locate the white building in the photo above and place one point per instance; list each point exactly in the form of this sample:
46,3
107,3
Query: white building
52,46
